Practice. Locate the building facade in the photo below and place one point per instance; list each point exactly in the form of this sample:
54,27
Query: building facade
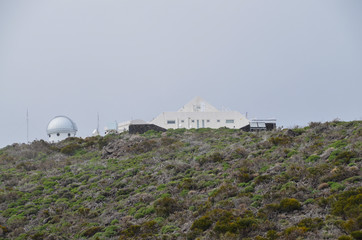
200,114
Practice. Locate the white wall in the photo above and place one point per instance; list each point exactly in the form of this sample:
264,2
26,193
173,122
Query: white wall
54,138
200,120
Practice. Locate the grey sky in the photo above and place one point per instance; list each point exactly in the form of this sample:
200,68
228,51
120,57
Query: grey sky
297,61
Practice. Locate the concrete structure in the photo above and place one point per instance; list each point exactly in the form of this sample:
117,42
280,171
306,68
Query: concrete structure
200,114
261,125
60,128
124,126
142,128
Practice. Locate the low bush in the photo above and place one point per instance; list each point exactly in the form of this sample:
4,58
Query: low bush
203,223
342,157
345,237
347,204
312,158
311,224
289,205
357,235
70,149
165,206
91,231
282,140
293,233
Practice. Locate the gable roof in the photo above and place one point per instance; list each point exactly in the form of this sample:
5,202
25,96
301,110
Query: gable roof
198,105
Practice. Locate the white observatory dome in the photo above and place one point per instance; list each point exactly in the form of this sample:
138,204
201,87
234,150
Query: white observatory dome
61,127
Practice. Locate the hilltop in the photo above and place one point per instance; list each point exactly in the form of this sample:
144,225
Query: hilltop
300,183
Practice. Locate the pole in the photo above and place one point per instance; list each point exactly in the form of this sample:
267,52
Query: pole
27,126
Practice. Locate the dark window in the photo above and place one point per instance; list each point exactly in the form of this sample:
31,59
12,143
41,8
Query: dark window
192,120
68,134
207,120
49,135
58,134
218,120
182,121
171,121
229,120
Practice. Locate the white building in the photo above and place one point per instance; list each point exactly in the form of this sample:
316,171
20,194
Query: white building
124,126
60,128
200,114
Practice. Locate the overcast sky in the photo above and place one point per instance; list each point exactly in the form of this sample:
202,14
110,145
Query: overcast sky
297,61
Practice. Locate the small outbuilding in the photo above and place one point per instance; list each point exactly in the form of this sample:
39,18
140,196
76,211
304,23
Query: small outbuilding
60,128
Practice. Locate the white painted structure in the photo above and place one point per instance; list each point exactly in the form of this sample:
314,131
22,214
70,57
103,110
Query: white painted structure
124,126
200,114
60,128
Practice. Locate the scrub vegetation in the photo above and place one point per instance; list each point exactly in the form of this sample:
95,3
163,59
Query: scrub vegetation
300,183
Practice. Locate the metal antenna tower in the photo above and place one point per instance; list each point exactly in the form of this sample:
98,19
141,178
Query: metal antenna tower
97,121
27,126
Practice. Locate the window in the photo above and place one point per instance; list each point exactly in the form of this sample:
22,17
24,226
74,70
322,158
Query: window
218,120
171,121
49,135
207,120
182,121
58,134
229,121
192,120
68,134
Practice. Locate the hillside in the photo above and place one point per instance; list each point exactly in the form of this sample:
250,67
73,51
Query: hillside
301,183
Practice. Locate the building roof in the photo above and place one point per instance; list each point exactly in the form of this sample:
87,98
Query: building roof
61,124
198,105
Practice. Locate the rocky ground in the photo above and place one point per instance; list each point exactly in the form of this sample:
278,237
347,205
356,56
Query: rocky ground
301,183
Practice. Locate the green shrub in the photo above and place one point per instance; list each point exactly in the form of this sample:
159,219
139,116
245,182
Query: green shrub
244,175
91,231
347,204
131,231
202,223
294,232
169,229
272,235
339,144
70,149
226,222
165,206
336,186
289,205
357,235
291,153
187,183
312,158
111,231
4,230
224,191
263,179
16,221
352,224
143,211
234,225
239,153
345,237
342,157
282,140
211,158
311,224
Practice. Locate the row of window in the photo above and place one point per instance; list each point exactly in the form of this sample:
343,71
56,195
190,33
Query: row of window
174,122
59,134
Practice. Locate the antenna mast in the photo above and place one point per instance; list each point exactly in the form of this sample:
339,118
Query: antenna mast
97,121
27,126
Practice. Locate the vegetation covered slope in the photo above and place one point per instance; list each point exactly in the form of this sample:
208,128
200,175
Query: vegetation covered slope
301,183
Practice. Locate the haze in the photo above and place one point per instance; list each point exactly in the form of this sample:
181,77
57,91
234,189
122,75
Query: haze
297,61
